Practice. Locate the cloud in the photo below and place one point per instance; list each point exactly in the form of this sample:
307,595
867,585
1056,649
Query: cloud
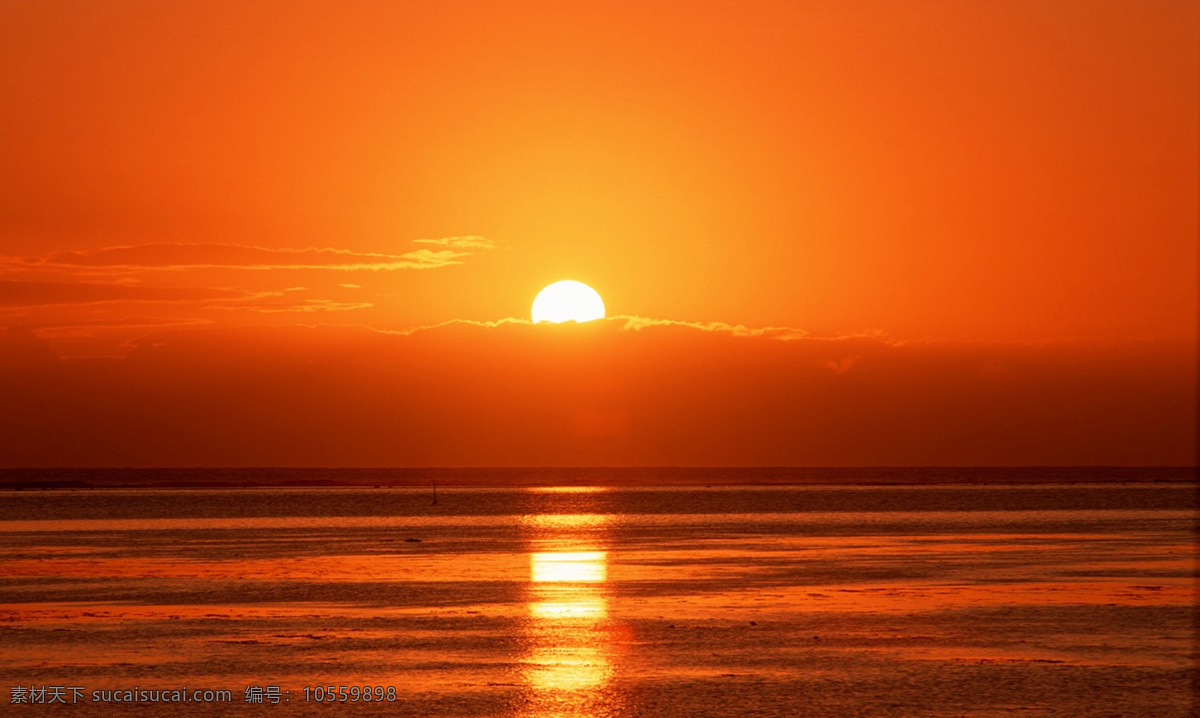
69,304
102,337
452,323
176,256
634,323
517,394
16,293
277,302
52,329
468,242
638,323
206,276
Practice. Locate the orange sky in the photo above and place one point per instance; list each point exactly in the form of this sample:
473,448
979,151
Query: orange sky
1004,191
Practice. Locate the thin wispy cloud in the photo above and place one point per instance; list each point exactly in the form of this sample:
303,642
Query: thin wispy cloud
15,293
196,277
468,242
278,303
85,327
175,256
636,323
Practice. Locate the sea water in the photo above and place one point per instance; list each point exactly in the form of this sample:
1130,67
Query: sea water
947,600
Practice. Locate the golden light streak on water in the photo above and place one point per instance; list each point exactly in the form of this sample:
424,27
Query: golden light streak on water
569,660
569,567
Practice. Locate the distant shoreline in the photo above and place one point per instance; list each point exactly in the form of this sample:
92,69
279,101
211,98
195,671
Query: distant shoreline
230,478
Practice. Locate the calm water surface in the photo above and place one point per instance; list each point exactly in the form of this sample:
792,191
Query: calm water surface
727,601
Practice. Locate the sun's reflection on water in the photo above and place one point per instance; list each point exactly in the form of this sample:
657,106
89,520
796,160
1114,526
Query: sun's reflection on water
569,567
571,654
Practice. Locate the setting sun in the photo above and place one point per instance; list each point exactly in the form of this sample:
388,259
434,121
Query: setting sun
567,301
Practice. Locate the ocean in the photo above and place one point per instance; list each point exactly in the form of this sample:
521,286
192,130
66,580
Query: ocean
835,598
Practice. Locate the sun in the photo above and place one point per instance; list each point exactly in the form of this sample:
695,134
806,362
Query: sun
567,301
